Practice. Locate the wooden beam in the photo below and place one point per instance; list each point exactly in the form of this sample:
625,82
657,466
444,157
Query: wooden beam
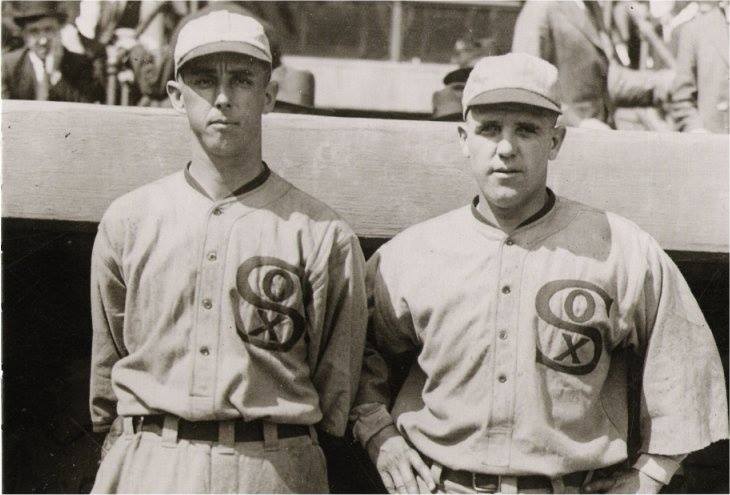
68,161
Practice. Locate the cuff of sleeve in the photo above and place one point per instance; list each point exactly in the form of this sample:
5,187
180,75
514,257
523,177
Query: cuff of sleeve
659,467
369,424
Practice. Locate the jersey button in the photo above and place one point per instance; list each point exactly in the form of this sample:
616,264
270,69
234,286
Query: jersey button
509,241
502,378
217,211
506,289
204,351
212,256
503,334
207,303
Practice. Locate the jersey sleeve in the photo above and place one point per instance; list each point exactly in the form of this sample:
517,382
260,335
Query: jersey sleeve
339,357
108,293
683,399
390,333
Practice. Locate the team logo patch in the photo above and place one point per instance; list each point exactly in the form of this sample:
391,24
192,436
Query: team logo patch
580,344
277,292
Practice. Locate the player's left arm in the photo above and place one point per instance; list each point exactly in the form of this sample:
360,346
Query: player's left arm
340,352
683,399
108,295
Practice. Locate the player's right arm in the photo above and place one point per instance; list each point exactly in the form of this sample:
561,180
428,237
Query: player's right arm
108,294
390,333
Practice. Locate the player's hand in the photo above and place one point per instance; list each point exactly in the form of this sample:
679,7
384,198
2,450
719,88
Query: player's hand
400,467
624,481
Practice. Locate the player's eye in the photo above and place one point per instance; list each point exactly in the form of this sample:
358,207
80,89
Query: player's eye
242,80
526,130
201,81
489,129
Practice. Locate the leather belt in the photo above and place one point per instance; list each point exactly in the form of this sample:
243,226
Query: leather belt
491,483
207,431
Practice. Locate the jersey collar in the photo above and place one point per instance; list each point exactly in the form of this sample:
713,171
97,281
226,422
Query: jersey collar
248,186
541,213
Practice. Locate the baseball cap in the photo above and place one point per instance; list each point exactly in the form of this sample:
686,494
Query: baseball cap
512,78
221,31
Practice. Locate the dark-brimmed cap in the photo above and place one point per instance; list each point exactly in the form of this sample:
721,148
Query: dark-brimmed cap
221,31
512,78
25,12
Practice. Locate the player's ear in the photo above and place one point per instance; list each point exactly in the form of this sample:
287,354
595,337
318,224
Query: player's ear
463,138
176,98
272,88
557,138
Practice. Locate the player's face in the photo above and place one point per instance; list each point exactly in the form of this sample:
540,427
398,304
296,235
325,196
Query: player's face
224,96
42,35
508,147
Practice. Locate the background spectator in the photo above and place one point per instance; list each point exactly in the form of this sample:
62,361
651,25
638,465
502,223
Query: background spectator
43,69
446,102
575,36
700,90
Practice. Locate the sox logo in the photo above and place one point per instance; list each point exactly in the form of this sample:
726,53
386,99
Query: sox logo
574,332
274,282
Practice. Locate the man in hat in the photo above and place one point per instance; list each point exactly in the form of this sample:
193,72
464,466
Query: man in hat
700,99
43,69
228,306
575,36
523,308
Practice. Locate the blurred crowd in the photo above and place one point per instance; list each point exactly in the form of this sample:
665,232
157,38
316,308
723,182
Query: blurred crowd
114,52
653,65
659,66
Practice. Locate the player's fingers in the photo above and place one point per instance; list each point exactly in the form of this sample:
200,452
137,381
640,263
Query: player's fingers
422,487
422,469
400,486
387,481
409,478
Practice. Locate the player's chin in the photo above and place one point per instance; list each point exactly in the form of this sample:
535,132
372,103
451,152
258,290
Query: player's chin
502,196
223,145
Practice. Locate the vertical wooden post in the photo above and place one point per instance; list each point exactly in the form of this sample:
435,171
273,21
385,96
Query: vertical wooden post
396,31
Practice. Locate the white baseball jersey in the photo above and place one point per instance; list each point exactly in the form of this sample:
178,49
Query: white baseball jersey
252,306
523,339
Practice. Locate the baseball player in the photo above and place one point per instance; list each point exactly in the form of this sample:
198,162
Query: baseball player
228,306
524,308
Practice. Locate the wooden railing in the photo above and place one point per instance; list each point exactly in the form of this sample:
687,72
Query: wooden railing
64,161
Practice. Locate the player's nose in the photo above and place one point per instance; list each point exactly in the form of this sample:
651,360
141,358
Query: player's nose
505,148
222,99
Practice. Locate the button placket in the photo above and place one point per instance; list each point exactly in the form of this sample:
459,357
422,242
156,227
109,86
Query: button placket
505,341
208,317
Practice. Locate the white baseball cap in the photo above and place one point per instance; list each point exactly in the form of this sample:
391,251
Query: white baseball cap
512,78
221,31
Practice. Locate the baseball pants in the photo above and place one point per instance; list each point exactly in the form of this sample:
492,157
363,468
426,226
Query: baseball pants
147,462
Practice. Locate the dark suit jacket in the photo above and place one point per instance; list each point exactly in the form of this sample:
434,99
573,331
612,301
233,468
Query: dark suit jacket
591,81
700,90
77,81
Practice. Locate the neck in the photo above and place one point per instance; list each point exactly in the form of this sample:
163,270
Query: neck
220,176
508,219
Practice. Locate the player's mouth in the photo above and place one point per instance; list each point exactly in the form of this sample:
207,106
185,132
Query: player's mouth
222,123
505,172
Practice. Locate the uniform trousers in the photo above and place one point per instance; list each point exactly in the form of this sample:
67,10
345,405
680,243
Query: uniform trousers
148,462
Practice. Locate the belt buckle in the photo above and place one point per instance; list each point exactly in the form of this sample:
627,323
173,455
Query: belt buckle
483,489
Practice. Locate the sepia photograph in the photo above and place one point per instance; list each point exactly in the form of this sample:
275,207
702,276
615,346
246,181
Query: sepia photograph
394,246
